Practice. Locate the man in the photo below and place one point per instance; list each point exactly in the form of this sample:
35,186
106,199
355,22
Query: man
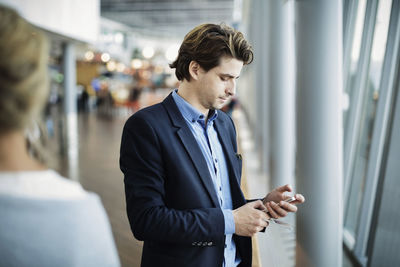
182,171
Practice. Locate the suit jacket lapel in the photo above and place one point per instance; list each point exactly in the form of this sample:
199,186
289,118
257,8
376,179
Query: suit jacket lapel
191,146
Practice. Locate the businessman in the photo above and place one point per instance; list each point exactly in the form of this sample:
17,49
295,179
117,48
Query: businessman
181,168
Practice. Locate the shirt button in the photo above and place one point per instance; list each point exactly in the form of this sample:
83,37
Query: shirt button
216,160
225,245
193,120
220,189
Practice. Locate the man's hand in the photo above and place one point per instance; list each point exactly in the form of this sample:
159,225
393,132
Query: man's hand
250,218
275,204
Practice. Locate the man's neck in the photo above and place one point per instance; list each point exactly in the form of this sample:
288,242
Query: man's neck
188,93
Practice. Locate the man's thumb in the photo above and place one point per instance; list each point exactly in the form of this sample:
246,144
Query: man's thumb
258,205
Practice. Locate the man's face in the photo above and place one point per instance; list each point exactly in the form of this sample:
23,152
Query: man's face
218,85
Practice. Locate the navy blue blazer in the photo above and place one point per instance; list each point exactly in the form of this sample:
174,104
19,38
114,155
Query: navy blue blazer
170,198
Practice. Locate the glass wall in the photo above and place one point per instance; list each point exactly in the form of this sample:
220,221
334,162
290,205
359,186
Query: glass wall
368,88
355,44
368,111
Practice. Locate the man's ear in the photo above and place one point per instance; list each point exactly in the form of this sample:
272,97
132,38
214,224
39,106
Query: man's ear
194,69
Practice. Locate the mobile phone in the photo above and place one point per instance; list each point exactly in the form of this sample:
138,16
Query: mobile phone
291,199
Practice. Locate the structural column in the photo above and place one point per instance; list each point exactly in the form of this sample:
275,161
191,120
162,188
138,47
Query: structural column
256,97
281,87
319,132
70,110
69,66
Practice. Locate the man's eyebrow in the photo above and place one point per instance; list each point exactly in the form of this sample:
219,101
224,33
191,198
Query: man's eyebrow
229,75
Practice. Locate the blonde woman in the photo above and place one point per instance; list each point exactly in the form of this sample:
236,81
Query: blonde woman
45,219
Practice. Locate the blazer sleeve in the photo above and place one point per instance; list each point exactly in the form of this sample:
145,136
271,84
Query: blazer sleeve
142,163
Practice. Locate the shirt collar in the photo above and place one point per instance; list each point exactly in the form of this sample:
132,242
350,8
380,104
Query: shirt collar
189,112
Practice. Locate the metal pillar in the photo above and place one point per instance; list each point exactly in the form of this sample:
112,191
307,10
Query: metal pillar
259,105
69,64
319,132
262,84
281,85
70,109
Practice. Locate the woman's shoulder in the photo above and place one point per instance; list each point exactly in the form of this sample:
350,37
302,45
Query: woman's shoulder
46,184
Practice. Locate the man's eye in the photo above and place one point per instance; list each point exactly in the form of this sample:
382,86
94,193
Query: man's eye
224,79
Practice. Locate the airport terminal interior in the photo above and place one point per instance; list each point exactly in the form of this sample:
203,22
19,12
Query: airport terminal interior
318,108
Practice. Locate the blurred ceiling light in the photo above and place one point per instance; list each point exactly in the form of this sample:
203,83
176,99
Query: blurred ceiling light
111,66
105,57
136,63
120,67
89,55
148,52
172,52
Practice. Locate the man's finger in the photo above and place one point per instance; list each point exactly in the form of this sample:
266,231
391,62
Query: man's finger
281,212
271,211
264,215
284,188
300,198
258,205
287,206
264,223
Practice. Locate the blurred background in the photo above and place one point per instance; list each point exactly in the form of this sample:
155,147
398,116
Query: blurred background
318,108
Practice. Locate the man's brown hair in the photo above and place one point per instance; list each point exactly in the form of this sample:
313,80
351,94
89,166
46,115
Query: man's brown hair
206,44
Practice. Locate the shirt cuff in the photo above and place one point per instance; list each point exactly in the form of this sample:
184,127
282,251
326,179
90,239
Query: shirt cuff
229,222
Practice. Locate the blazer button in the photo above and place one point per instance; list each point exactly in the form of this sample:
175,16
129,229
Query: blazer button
204,244
194,244
209,244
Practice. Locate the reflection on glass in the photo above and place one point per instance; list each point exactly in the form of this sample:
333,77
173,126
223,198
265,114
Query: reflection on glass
355,55
368,117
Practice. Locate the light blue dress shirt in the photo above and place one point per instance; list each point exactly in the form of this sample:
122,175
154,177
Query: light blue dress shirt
209,144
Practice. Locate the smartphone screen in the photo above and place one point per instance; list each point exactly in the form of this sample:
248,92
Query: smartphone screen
291,199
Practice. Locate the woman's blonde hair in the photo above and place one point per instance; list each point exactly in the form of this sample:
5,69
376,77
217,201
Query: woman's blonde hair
23,71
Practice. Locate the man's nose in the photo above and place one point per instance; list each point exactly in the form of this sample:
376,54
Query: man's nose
231,88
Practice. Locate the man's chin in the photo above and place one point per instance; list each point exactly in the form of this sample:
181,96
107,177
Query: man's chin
219,106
